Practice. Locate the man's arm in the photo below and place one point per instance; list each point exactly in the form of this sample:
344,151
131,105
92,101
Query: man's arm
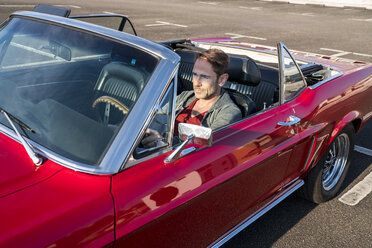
225,116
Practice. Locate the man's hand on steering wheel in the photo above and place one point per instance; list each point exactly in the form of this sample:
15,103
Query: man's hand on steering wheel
151,138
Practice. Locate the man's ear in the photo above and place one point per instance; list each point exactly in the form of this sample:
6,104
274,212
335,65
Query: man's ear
222,79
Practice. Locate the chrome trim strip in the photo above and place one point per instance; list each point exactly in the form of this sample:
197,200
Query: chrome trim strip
292,187
281,65
313,141
174,98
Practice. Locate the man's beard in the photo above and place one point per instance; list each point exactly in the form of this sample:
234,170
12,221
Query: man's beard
204,94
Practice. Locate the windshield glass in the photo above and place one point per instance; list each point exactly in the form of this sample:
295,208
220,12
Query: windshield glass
73,89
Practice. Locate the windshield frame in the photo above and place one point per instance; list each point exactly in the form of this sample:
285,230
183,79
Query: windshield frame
116,152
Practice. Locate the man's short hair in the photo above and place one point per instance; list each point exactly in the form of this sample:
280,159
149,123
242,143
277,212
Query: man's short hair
217,58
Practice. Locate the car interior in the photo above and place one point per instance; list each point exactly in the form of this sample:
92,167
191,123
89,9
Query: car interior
251,86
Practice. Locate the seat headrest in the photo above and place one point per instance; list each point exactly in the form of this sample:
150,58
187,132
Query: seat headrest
123,72
242,70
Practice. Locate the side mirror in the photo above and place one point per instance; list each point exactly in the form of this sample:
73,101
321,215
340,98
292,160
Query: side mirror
190,133
202,135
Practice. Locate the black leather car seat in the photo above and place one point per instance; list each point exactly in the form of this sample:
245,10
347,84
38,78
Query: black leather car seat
120,81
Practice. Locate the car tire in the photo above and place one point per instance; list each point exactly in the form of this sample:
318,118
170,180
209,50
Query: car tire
325,179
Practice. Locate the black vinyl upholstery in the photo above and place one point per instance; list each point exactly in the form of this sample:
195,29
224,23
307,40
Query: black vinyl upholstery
120,81
244,102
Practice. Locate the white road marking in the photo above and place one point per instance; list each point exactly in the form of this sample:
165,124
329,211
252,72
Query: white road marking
332,50
362,54
360,20
32,6
302,14
109,13
363,150
340,53
16,5
161,23
358,192
237,36
251,8
210,3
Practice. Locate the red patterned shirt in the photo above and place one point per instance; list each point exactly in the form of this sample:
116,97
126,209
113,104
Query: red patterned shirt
185,117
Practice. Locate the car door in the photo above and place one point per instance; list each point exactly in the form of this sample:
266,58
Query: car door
199,197
293,84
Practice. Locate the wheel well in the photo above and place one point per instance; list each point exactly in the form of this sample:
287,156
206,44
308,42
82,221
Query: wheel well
356,124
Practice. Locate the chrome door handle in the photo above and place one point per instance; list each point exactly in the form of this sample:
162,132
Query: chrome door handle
292,121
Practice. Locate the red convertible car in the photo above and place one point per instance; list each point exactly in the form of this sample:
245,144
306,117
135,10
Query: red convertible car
76,100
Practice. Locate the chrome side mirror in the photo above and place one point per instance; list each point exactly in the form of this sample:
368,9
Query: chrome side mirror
190,133
202,135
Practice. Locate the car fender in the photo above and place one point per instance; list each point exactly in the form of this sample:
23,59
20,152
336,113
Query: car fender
317,153
349,118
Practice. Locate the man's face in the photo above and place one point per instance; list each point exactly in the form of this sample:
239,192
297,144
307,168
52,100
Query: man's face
204,79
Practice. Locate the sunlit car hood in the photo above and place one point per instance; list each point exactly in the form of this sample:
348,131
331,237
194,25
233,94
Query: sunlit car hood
17,170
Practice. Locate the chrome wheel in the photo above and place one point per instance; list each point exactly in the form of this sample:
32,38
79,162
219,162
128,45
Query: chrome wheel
336,161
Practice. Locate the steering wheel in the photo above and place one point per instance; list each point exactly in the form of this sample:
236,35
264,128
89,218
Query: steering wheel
112,101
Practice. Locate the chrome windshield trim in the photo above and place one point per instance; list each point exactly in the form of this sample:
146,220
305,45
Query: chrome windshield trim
130,161
292,187
123,145
119,150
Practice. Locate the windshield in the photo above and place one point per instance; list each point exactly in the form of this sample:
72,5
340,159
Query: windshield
73,89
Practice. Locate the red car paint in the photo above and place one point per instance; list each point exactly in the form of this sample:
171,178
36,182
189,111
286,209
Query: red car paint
192,201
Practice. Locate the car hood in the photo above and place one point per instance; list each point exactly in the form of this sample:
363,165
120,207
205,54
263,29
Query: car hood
17,170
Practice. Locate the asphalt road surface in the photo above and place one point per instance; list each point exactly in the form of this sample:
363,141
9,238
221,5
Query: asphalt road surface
342,32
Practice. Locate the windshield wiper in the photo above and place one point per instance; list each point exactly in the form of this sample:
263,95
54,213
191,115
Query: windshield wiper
18,121
34,157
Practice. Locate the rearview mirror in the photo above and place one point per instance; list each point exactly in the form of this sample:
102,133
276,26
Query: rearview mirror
58,50
202,135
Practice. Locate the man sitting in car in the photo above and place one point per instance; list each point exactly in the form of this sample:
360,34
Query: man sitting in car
208,104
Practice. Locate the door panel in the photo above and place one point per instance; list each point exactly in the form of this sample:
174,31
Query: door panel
201,196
